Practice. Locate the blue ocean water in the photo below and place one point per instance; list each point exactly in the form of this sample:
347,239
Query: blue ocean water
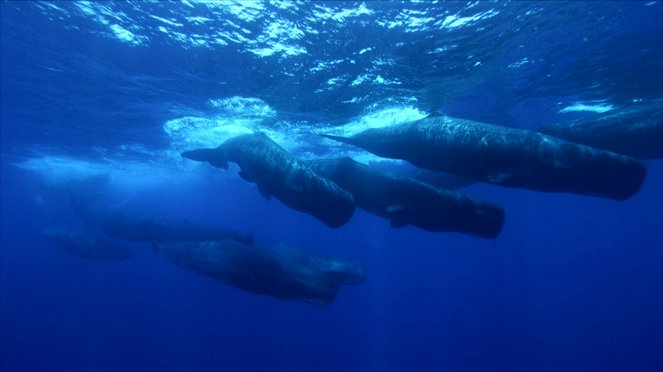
120,89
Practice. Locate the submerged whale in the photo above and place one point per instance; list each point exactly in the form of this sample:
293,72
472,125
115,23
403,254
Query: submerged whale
406,201
635,130
283,273
86,245
505,156
137,228
276,172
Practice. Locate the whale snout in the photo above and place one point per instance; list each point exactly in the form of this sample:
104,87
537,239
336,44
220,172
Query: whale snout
212,156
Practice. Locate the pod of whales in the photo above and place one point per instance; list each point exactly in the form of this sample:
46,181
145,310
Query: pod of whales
406,201
86,245
635,130
283,273
504,156
329,189
276,172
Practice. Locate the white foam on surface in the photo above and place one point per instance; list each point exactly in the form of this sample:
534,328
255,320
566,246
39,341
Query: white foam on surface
591,107
128,175
132,166
381,118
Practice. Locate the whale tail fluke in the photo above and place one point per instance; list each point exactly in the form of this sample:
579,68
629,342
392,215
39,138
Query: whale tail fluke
213,156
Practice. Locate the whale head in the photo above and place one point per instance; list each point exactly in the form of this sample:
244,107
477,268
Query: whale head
216,157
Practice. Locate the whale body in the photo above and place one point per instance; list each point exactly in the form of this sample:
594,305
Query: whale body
86,245
635,130
137,228
120,224
505,156
406,201
276,172
283,273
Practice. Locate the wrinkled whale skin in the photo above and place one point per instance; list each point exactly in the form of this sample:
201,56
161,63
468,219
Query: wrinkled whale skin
505,156
133,227
635,130
282,273
276,172
406,201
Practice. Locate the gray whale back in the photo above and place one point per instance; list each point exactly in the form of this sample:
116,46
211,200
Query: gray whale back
87,245
278,173
635,130
286,274
505,156
406,201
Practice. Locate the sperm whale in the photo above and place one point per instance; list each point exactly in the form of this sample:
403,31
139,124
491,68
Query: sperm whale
504,156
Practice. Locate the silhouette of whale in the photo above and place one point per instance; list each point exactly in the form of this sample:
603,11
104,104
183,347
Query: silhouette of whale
406,201
134,228
635,130
86,245
504,156
283,273
122,224
278,173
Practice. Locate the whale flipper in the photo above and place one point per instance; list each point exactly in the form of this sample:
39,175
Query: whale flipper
400,216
